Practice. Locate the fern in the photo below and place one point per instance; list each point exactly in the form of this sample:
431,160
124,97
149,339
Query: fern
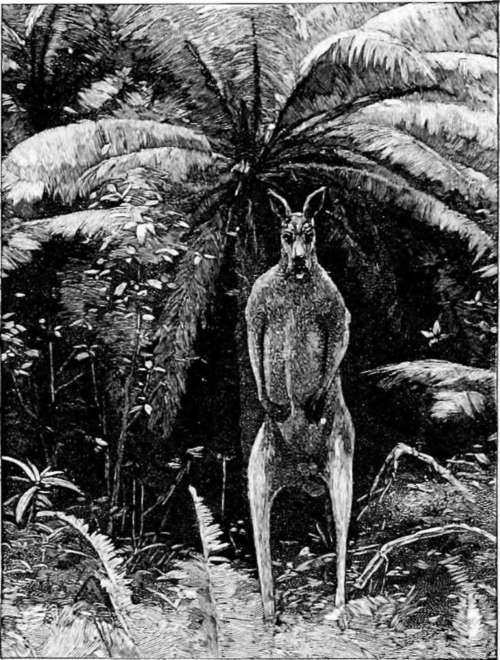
184,312
469,636
113,574
458,391
56,162
228,601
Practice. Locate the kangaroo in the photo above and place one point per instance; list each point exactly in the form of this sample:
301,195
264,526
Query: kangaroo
298,332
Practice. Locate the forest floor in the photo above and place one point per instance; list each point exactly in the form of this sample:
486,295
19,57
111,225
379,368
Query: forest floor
432,598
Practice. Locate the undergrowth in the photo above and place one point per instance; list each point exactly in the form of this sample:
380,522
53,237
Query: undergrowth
436,600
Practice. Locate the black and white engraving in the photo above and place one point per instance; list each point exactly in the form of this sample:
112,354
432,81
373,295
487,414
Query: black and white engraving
249,330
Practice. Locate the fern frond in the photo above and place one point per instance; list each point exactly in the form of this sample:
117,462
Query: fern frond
52,162
465,136
210,532
101,92
441,27
471,78
458,392
29,627
415,160
232,631
161,633
433,373
92,223
449,405
468,635
113,579
180,164
185,310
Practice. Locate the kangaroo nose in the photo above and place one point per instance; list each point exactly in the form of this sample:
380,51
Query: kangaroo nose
299,253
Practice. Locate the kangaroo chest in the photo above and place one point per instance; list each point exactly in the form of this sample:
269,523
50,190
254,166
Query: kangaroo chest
295,343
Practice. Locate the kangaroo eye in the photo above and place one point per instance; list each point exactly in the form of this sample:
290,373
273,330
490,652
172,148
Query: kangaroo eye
288,238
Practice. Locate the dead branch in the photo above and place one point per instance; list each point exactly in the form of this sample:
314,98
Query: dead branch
402,449
381,555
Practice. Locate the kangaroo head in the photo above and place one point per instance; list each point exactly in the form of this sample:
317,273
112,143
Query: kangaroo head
298,238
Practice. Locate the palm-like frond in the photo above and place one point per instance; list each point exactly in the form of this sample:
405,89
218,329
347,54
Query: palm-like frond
458,391
469,636
462,135
184,312
470,78
449,405
422,207
387,54
53,161
71,635
90,224
210,532
434,373
180,163
230,632
100,92
57,49
211,52
469,28
113,574
397,150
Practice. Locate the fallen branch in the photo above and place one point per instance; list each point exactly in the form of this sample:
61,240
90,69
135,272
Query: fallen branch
381,555
401,449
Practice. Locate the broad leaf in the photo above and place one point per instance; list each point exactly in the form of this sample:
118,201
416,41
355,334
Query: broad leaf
24,502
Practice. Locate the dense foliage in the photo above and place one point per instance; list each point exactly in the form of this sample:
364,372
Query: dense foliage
140,142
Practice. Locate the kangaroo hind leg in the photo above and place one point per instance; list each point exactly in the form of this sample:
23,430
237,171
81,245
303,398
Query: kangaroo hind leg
340,490
261,477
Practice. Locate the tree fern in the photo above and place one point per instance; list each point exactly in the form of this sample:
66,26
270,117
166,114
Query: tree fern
257,84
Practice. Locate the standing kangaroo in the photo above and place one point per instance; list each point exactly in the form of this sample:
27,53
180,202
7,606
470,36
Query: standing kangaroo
298,331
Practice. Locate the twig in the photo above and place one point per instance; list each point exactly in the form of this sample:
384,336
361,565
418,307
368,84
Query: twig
134,513
66,361
68,383
161,501
393,457
141,524
381,555
162,596
223,495
51,373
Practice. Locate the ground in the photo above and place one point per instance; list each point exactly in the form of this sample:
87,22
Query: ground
431,599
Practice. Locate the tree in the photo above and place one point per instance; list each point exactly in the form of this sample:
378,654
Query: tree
390,107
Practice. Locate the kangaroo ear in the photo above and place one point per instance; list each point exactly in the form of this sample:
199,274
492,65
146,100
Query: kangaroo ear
279,206
314,203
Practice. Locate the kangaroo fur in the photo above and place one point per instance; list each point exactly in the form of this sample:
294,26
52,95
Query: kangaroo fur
298,333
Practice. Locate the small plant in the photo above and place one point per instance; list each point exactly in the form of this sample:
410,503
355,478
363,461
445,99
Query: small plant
434,334
230,629
40,484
